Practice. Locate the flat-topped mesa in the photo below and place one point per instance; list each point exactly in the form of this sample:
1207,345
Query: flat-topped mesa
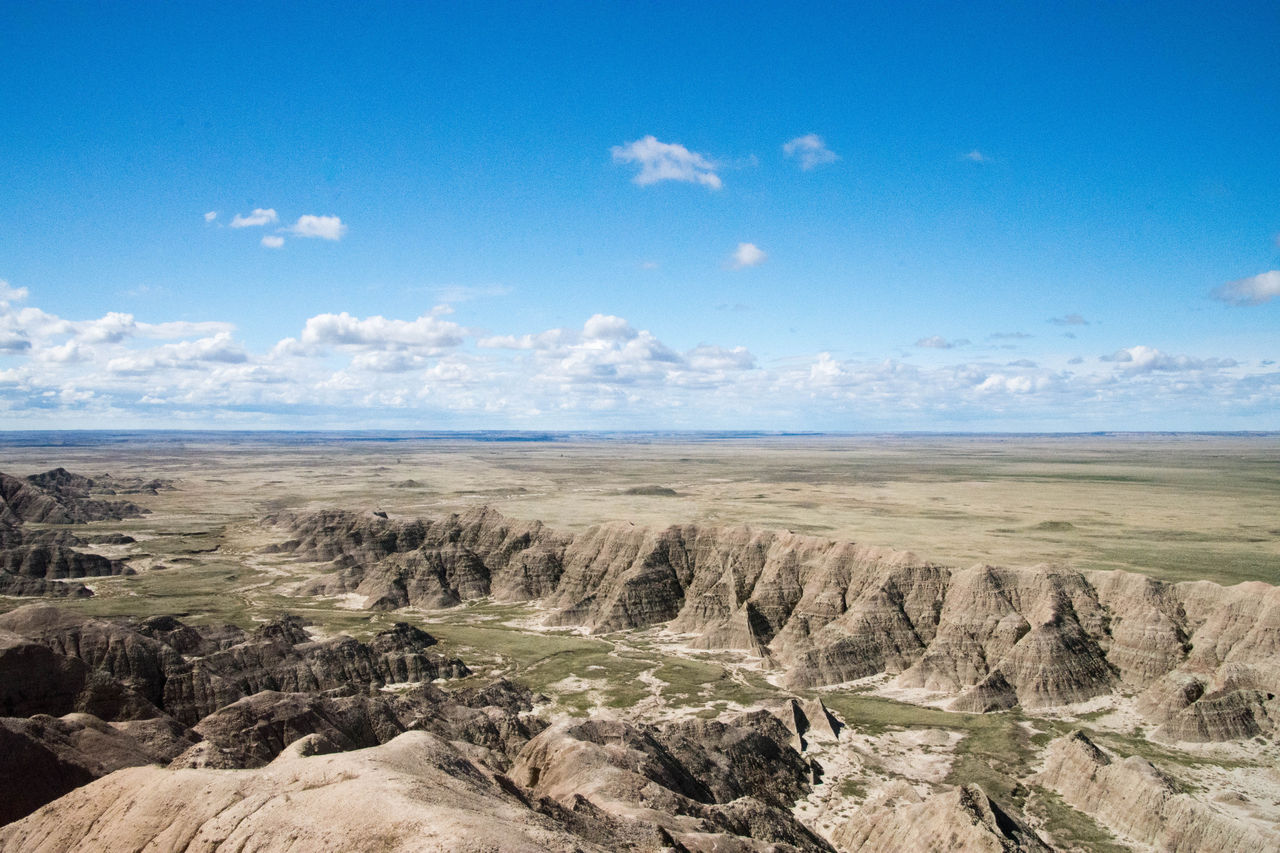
1206,658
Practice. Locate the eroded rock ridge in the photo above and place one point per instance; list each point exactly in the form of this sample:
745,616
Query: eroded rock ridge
1205,659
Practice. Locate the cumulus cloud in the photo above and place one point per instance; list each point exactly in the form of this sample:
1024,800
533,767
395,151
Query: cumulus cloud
1254,290
377,332
273,241
810,151
323,227
666,161
605,372
210,216
1142,359
260,216
184,355
1069,320
747,255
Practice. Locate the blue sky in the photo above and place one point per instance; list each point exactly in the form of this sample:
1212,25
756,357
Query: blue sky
841,217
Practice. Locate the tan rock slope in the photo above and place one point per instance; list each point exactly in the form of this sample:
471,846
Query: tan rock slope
1205,658
1135,798
416,793
961,819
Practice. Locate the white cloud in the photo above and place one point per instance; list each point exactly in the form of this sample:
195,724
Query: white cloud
324,227
604,373
1142,359
182,329
935,342
260,216
111,328
664,161
606,327
10,294
747,255
184,355
1254,290
210,216
975,156
1069,320
707,357
273,241
428,331
810,150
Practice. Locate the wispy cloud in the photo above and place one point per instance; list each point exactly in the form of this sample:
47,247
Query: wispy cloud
747,255
1008,336
939,342
810,151
1254,290
260,216
273,241
1069,320
323,227
210,216
975,156
666,161
455,293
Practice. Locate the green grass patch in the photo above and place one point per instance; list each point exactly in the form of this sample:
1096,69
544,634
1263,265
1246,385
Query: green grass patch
1071,829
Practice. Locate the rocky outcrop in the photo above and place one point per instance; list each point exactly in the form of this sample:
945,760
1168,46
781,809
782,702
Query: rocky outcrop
44,757
963,818
17,585
56,562
1133,797
714,786
585,786
59,497
29,559
827,612
416,793
245,696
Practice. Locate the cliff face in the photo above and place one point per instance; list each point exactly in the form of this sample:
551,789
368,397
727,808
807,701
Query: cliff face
1206,658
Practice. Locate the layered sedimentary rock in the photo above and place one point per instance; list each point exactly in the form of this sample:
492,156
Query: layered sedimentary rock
44,757
416,793
31,561
580,786
158,687
1133,797
709,785
1207,658
963,818
59,497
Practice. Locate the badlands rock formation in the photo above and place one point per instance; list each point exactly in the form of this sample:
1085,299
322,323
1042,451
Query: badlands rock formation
348,770
1205,659
81,697
32,562
1132,796
963,818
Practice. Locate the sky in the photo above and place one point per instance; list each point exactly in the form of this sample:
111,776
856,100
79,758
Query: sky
836,217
